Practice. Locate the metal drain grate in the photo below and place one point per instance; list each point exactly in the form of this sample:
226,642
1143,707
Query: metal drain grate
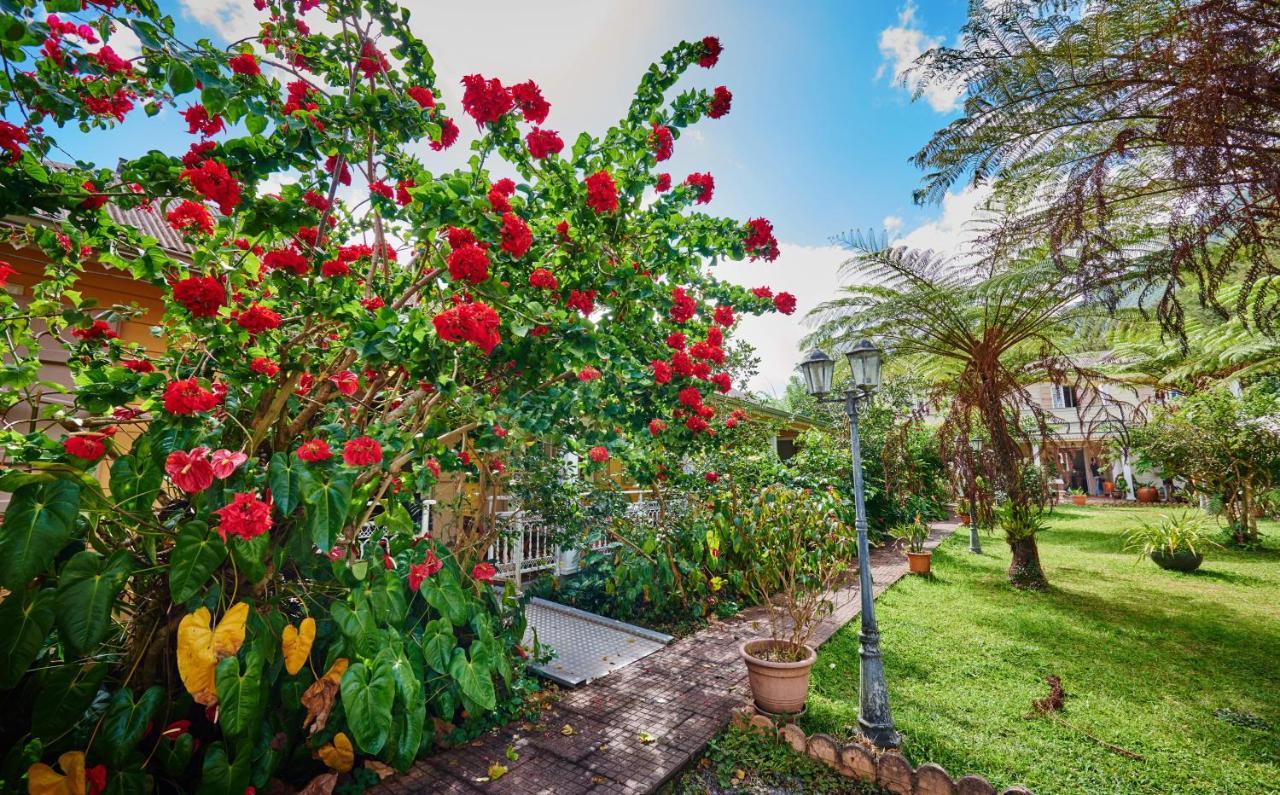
586,646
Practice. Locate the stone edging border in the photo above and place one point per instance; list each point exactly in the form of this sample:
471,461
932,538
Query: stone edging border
889,770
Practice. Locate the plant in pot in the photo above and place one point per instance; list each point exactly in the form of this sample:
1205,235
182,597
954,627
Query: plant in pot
1122,488
962,510
1108,488
1177,542
1147,493
913,536
1078,497
803,551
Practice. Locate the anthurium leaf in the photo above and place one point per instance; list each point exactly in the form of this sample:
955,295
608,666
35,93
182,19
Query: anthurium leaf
64,696
87,590
326,505
126,722
175,754
406,733
438,643
37,525
219,776
128,782
284,477
474,677
387,597
445,594
240,694
135,481
250,556
368,694
26,618
197,553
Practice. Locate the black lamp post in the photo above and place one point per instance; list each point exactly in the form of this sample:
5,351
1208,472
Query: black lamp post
975,546
874,717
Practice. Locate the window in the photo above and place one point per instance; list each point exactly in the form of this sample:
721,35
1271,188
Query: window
1064,397
786,448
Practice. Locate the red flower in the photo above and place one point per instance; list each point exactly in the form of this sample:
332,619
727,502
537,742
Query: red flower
188,397
314,450
190,471
203,296
583,302
516,237
95,200
245,517
434,466
715,336
224,462
602,193
661,142
485,100
285,259
505,186
473,322
723,382
373,304
381,188
663,184
138,365
257,319
95,779
402,191
197,152
422,96
190,216
362,451
372,62
264,366
562,229
97,330
724,315
675,341
419,572
711,477
760,242
334,268
543,279
484,572
212,181
89,446
682,364
543,143
459,237
704,186
598,454
691,397
199,121
588,374
469,263
784,303
696,424
498,201
762,292
683,306
499,431
656,427
245,64
532,104
6,270
448,135
661,371
12,137
720,102
711,50
346,381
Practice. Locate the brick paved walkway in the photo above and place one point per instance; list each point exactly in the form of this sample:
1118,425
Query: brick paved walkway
634,729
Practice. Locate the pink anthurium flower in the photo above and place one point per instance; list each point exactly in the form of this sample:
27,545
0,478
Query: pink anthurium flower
225,462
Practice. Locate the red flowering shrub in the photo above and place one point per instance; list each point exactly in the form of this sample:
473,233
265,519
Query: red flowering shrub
472,322
485,100
543,143
704,185
721,100
602,193
203,296
362,451
516,237
469,263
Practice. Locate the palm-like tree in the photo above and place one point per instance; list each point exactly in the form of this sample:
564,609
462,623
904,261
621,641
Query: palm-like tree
979,334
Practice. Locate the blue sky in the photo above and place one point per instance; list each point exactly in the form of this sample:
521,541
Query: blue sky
817,141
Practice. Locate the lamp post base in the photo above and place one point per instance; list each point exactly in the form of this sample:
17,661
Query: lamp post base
874,719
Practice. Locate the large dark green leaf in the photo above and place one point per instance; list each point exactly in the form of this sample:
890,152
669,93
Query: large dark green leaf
368,693
474,678
284,478
37,525
128,782
250,556
197,553
136,478
64,696
220,777
387,596
87,589
326,508
406,733
240,693
438,643
25,620
126,722
445,594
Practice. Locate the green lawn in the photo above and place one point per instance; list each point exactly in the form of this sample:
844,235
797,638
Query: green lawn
1181,669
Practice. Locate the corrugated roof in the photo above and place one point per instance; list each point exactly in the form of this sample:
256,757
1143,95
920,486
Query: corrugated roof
150,223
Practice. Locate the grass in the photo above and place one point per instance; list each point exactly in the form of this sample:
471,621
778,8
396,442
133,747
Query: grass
1183,670
743,762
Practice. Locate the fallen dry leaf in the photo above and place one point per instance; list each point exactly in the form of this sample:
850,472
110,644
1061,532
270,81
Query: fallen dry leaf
322,784
645,737
338,755
382,771
319,698
568,731
497,771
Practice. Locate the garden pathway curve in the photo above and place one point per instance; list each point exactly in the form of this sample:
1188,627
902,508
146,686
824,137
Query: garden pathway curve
633,730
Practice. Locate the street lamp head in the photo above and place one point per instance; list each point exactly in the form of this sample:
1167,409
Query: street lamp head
864,361
975,443
818,368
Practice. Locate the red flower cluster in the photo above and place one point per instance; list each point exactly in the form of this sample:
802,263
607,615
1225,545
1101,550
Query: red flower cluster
721,100
704,186
199,121
372,62
203,296
760,242
484,572
661,142
543,279
683,307
661,371
448,135
212,181
12,137
469,263
285,259
245,517
602,193
473,322
422,96
598,454
186,396
723,382
663,184
88,446
588,374
691,397
257,319
516,237
532,104
584,302
191,216
245,64
676,341
656,427
97,330
419,572
784,303
543,143
724,315
485,100
138,365
190,471
264,366
299,98
314,450
362,451
711,49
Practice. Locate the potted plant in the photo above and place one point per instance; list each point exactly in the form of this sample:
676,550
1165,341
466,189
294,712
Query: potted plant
962,510
1108,488
804,550
913,536
1176,543
1078,497
1122,488
1147,493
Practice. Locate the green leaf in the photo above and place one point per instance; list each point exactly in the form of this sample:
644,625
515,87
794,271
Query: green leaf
126,722
135,480
240,699
255,123
368,694
387,596
406,733
128,782
219,777
37,525
326,507
445,594
284,478
474,678
181,78
87,589
64,696
250,556
438,643
26,618
175,754
197,553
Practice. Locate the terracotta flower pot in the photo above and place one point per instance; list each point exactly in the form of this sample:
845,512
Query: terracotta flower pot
1079,499
919,562
778,687
964,519
1147,494
1108,487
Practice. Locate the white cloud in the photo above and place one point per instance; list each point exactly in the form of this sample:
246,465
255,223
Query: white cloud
953,232
900,46
230,19
892,224
124,42
810,273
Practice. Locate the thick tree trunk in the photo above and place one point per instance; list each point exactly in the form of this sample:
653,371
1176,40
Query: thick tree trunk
1025,571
